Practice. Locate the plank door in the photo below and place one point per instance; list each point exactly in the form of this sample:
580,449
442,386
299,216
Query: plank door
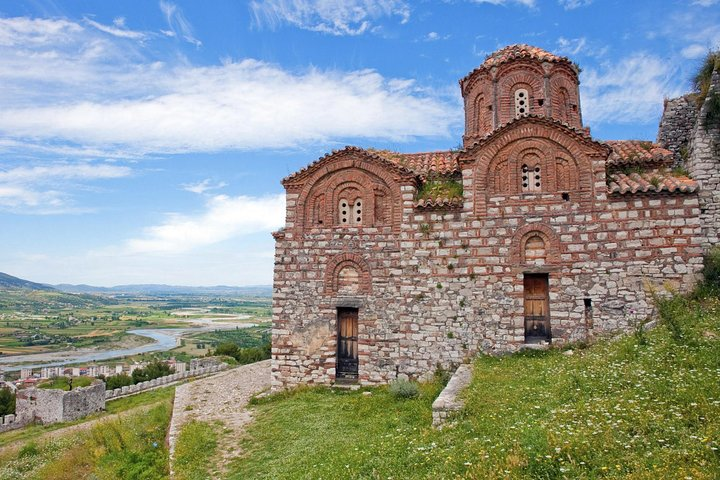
537,308
347,354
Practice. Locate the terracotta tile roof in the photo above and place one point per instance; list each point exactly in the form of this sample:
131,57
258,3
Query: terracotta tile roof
423,164
512,52
657,180
633,152
432,203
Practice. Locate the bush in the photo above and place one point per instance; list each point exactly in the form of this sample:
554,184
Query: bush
712,270
118,381
7,401
404,389
152,371
244,355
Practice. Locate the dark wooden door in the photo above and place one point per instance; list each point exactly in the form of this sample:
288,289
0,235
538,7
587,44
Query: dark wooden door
537,308
347,354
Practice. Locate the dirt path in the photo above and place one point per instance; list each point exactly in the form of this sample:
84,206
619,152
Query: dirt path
221,397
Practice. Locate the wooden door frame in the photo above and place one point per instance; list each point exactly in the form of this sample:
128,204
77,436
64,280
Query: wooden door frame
546,318
347,375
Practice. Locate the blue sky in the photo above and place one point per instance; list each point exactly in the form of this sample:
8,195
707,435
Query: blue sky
145,141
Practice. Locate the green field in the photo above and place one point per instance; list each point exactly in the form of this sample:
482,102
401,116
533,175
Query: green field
41,321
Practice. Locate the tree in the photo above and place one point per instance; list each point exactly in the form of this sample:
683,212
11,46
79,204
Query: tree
118,381
7,401
152,371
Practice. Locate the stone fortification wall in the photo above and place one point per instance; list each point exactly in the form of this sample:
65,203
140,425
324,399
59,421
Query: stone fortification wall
162,381
676,126
704,166
9,422
52,406
450,284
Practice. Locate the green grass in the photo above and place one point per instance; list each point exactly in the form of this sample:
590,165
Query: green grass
62,383
440,187
33,432
646,406
131,447
196,445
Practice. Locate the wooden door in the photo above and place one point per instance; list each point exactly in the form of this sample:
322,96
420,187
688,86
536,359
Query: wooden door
347,353
537,307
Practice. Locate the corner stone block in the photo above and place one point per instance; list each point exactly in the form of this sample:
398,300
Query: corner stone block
124,390
10,418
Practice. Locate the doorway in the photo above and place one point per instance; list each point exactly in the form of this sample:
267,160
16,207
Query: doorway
537,307
347,345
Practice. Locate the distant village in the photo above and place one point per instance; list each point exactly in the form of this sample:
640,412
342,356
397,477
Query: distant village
29,376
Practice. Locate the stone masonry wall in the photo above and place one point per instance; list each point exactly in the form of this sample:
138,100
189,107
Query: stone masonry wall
704,166
449,286
52,405
676,126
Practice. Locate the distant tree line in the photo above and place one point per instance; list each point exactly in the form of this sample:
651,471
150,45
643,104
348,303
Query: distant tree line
244,355
151,371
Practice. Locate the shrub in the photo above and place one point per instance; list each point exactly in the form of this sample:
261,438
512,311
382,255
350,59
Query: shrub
404,389
244,355
712,270
7,401
152,371
118,381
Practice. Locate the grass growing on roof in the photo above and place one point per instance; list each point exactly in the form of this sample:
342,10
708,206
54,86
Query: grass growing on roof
440,187
63,383
641,407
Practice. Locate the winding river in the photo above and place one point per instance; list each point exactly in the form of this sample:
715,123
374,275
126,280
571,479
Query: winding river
164,339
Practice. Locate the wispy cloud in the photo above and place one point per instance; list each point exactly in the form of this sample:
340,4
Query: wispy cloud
573,4
706,3
117,29
45,189
527,3
573,47
98,94
224,217
178,24
630,90
204,186
350,17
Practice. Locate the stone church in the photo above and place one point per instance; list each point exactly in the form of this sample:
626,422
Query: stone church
391,264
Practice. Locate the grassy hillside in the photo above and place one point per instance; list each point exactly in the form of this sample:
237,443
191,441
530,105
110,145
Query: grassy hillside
646,406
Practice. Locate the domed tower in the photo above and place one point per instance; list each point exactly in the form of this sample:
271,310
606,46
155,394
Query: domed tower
516,81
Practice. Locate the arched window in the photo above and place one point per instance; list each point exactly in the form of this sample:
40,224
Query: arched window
522,102
344,212
535,253
531,178
357,212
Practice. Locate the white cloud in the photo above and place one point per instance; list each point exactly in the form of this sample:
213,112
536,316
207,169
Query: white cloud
694,51
527,3
573,4
204,186
224,217
570,46
27,31
118,29
705,3
349,17
631,90
100,95
178,25
434,36
43,189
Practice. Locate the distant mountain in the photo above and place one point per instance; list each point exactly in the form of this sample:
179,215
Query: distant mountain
158,289
8,281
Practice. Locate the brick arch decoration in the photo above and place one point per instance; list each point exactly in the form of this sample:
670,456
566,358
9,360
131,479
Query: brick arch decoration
561,81
520,134
525,233
342,260
351,167
519,75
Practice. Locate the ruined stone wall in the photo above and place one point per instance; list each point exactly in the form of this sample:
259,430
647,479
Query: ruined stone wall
450,284
52,405
676,126
704,166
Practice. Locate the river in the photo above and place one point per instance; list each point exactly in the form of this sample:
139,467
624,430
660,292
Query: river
164,339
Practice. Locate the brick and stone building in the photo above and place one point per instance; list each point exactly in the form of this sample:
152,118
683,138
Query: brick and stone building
391,264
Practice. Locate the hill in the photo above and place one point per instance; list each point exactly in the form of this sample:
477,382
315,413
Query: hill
160,289
8,281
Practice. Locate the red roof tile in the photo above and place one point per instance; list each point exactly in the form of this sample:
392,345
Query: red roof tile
431,203
632,152
423,164
656,180
512,52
